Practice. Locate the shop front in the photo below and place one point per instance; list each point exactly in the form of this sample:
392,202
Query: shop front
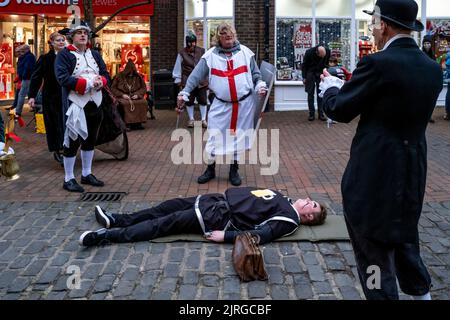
343,27
125,37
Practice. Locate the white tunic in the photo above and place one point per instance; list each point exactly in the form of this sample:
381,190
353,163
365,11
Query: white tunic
86,68
230,123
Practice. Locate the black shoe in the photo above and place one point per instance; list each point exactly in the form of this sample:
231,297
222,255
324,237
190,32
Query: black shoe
72,186
104,218
322,118
234,177
93,238
311,118
92,180
208,175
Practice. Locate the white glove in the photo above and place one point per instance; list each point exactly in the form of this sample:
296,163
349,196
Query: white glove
185,95
330,82
261,84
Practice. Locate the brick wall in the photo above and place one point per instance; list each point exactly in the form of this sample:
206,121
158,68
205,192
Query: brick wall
164,32
249,23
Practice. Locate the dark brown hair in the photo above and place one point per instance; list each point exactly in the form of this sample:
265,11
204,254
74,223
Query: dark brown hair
319,217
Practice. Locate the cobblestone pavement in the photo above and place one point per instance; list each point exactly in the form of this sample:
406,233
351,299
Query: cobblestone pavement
40,223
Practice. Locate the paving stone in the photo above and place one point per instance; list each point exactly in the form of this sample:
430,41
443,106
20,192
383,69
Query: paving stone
306,246
231,285
231,296
19,284
92,271
276,275
212,265
154,262
286,249
292,264
124,288
187,292
190,277
344,280
210,281
102,255
104,283
150,278
61,284
271,256
279,292
209,294
213,251
193,260
172,270
60,259
176,255
130,274
49,275
350,293
334,263
85,287
323,287
256,289
113,267
34,268
141,293
310,258
316,273
136,259
121,253
303,291
21,262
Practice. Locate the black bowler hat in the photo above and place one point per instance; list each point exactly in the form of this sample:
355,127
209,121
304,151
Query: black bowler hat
400,12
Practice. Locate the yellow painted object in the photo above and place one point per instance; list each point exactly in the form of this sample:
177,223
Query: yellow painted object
40,126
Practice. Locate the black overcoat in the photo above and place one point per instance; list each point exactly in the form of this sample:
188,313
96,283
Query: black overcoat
394,92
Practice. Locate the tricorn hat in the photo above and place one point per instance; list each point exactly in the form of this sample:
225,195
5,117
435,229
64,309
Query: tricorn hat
400,12
79,26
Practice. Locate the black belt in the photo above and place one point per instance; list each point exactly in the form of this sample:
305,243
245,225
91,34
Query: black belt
241,99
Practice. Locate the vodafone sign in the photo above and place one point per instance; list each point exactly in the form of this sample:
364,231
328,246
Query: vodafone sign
59,7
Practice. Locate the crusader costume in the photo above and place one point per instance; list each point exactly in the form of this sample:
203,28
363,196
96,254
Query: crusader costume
265,212
233,77
76,71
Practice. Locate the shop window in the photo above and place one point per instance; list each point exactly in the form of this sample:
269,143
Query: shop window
203,17
292,8
15,30
196,26
126,38
294,37
336,35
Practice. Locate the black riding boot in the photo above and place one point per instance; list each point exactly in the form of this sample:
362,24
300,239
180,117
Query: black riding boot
209,174
234,177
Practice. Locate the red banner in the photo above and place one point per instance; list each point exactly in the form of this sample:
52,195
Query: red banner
60,7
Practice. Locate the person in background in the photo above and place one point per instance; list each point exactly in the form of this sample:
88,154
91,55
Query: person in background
186,61
338,71
25,67
51,95
447,97
315,60
428,50
82,74
129,88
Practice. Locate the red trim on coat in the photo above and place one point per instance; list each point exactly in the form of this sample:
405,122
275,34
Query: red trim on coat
80,87
71,47
105,82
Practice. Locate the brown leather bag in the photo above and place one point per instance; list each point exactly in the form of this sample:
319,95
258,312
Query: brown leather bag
247,258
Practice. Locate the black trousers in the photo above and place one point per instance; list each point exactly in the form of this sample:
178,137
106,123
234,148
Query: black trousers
94,117
312,84
395,261
171,217
53,124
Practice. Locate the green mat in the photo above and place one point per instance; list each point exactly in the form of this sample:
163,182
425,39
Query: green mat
334,229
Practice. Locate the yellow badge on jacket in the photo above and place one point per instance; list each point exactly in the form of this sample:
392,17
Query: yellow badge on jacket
265,194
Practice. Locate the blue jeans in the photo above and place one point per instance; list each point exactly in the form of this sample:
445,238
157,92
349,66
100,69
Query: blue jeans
19,98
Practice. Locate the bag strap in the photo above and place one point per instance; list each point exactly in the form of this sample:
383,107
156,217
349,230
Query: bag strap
199,214
278,218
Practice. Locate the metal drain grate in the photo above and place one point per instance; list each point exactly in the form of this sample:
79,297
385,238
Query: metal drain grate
102,196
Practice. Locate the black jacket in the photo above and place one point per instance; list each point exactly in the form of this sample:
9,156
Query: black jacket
249,211
394,91
313,64
45,70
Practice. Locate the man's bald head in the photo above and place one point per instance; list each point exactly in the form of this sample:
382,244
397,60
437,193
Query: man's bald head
321,51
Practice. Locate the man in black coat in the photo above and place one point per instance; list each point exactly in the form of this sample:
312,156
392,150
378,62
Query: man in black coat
315,60
384,183
219,217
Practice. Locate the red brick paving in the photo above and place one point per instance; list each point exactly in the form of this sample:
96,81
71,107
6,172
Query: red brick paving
312,160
